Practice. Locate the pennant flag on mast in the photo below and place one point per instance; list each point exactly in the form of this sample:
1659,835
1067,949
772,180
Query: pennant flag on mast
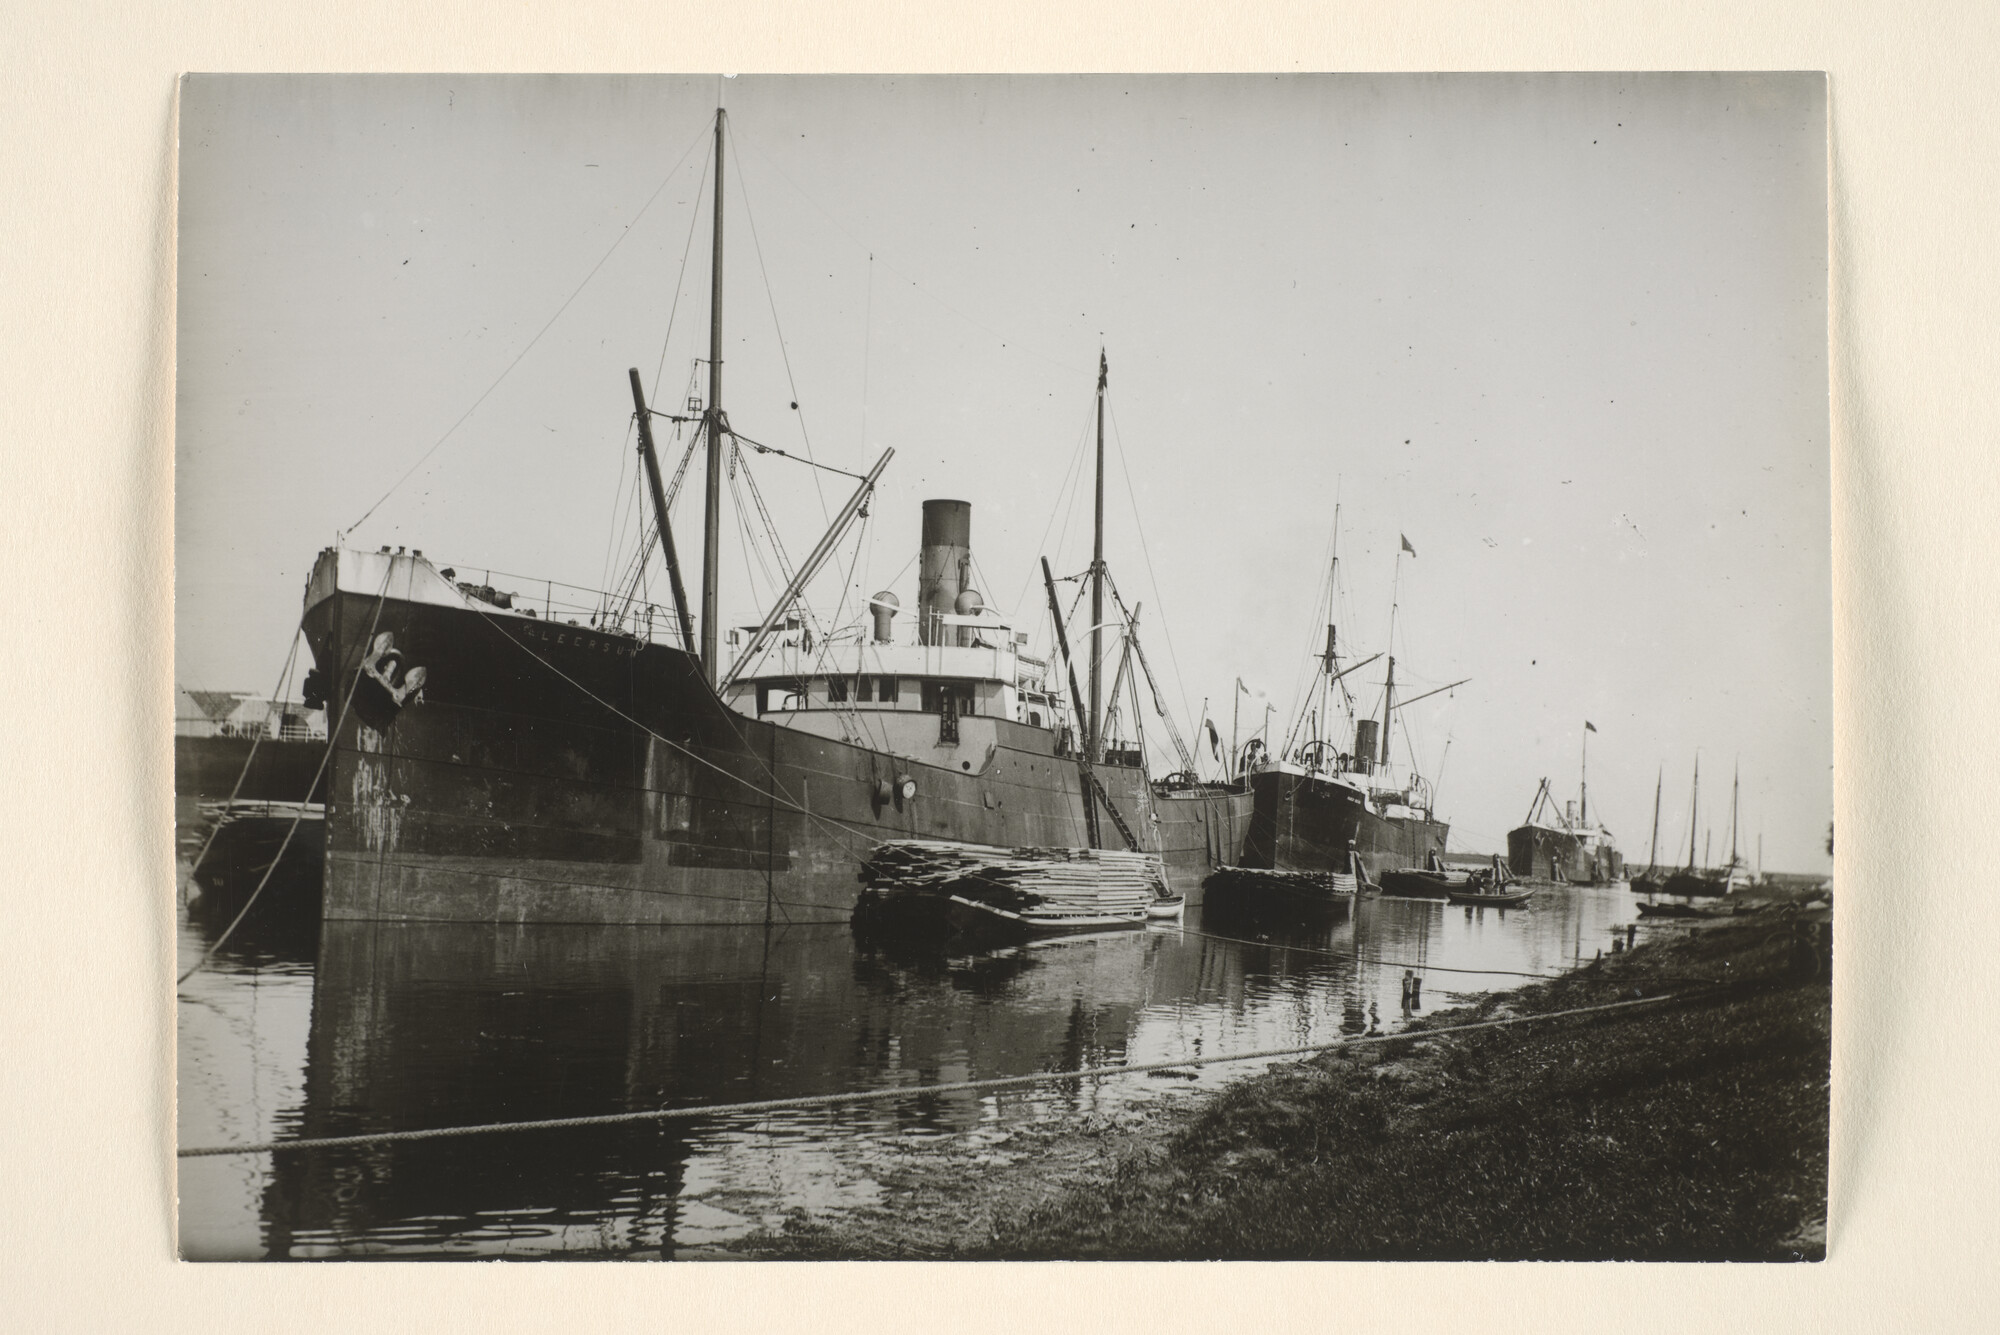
1588,726
1406,545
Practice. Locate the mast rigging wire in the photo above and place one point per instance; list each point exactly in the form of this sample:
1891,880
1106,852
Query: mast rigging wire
449,431
614,527
809,461
1146,550
1002,339
867,333
680,283
784,353
1041,544
1301,693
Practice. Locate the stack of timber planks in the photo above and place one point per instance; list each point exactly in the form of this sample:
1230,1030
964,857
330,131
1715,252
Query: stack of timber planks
1038,888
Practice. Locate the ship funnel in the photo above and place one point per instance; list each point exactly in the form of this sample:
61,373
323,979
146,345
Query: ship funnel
968,604
1364,744
883,607
942,565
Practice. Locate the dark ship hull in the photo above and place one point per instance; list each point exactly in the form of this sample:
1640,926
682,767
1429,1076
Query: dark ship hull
556,773
212,769
1299,823
237,840
1537,852
1692,884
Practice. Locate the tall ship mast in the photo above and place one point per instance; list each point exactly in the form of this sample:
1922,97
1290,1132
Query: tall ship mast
1696,879
1650,880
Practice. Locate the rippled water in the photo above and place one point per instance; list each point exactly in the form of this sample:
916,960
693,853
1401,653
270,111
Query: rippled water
364,1027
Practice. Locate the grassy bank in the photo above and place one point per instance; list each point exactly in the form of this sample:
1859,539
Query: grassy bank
1696,1129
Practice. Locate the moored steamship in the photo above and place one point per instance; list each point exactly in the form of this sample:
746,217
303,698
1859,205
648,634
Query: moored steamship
495,762
1314,805
545,771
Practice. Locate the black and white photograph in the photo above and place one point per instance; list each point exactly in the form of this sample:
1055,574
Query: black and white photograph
1003,667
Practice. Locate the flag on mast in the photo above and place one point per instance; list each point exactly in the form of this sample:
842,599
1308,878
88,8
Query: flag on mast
1588,726
1406,545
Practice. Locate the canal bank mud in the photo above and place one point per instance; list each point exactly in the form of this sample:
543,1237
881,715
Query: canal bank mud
1694,1129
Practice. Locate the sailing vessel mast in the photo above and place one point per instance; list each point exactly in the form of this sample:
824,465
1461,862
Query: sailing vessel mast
1653,844
1583,784
1734,779
715,425
1389,688
1095,744
1329,665
1388,706
1694,812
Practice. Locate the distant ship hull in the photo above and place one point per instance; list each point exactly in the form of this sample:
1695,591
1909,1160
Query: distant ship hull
1701,882
556,773
237,840
1543,853
1301,823
209,768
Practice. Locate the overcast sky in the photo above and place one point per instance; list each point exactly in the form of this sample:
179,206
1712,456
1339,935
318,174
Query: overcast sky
1566,333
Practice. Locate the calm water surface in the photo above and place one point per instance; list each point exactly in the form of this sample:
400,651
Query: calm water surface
364,1027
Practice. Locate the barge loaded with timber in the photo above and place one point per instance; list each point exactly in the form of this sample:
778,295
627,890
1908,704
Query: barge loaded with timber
599,762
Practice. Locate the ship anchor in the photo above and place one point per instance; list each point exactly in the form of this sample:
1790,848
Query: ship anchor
389,685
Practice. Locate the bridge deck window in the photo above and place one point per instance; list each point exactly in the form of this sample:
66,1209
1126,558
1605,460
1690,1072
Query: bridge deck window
781,695
937,691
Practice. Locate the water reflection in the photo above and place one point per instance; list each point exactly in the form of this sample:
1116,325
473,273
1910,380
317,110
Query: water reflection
421,1025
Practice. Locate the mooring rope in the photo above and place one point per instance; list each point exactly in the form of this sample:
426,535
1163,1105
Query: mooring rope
293,829
895,1092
